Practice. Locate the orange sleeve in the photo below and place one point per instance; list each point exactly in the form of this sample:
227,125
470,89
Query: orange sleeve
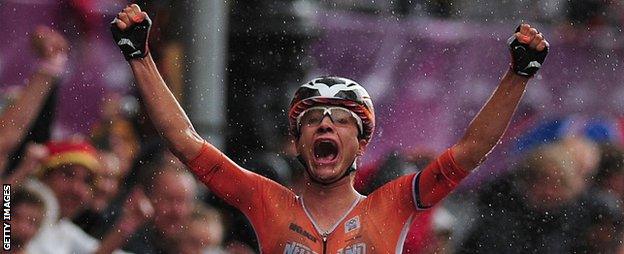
392,200
397,195
237,186
437,180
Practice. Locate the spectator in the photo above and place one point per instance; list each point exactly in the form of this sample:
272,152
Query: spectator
68,174
585,155
96,219
15,121
610,175
442,226
31,206
542,207
115,132
606,233
204,233
172,191
28,215
106,182
34,155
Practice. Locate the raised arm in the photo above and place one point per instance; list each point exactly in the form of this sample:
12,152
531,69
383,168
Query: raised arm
529,49
137,210
33,157
209,165
51,49
130,29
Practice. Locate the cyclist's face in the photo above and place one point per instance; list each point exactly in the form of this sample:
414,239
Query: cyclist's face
329,142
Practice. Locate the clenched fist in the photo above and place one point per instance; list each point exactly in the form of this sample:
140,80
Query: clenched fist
48,43
131,30
136,211
528,50
51,48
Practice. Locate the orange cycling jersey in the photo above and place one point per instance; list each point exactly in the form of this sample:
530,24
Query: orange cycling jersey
377,223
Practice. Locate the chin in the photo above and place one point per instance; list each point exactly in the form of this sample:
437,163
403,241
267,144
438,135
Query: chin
327,173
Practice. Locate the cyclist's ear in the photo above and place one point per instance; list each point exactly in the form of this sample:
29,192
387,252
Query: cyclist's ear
363,143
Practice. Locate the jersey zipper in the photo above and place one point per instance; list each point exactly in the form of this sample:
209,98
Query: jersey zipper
324,243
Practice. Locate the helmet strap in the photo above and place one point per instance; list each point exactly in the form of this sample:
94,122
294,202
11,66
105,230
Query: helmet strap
347,172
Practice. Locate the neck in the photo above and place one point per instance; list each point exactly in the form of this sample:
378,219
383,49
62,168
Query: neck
329,203
341,189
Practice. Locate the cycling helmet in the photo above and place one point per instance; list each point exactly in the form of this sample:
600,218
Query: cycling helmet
336,91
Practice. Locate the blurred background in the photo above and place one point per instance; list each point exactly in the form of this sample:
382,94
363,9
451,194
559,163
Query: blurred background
555,184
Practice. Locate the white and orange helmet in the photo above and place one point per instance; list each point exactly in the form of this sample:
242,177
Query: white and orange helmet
334,91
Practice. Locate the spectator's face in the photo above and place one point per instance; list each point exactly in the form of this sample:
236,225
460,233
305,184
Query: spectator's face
200,235
173,202
329,148
106,186
72,186
26,221
551,190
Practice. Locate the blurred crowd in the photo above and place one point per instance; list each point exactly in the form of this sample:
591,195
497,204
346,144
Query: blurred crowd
117,189
569,17
578,13
71,195
113,188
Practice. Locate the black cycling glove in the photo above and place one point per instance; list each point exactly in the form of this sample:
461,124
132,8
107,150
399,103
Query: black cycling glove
524,60
133,40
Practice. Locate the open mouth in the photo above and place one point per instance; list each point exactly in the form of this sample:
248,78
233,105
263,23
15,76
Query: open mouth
325,151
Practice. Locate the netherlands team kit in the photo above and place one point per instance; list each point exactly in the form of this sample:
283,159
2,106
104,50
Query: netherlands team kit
377,223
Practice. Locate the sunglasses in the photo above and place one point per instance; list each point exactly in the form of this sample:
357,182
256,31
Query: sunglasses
339,116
